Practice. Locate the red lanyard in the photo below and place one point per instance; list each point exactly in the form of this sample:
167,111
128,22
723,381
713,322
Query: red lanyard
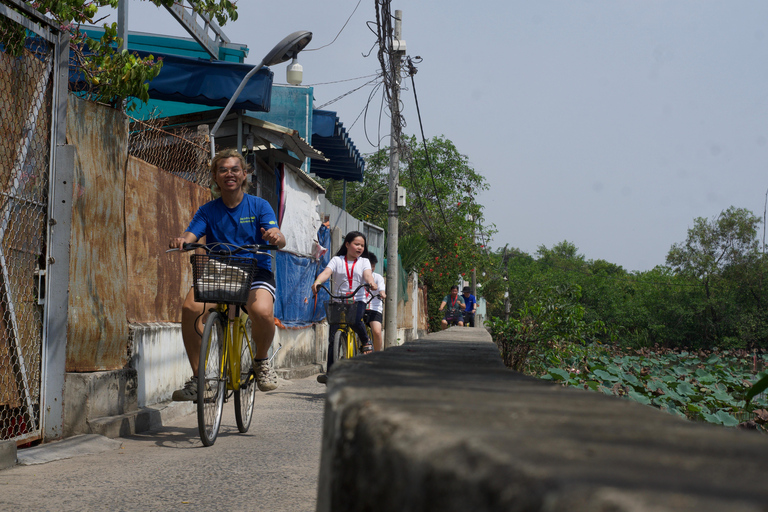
453,302
349,273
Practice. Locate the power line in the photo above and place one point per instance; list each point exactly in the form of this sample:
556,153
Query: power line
411,72
345,80
347,93
340,31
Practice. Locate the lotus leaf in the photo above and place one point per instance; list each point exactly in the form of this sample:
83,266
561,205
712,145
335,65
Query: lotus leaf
558,374
637,397
600,374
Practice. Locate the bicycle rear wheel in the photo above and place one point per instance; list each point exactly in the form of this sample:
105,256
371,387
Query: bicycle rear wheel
211,379
369,331
246,395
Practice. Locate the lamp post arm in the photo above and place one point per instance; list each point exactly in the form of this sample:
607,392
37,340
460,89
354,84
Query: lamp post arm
229,105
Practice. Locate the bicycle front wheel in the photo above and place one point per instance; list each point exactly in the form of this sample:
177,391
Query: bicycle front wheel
211,379
353,344
246,395
339,345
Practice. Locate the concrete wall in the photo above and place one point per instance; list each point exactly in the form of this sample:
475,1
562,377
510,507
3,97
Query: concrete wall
160,361
441,425
161,364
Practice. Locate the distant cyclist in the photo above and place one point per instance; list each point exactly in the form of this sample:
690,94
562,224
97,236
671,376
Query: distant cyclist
471,302
373,313
454,306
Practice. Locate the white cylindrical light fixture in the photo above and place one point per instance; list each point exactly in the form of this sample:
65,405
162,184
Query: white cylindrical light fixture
294,73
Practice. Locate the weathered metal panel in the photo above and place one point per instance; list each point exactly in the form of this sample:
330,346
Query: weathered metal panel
405,309
158,205
97,331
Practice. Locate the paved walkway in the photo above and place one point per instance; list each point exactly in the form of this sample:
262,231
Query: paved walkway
273,467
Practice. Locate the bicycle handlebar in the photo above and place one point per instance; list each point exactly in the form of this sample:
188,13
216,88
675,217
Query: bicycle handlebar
223,248
351,295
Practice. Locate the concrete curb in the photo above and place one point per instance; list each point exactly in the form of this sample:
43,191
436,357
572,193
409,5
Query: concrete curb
85,444
441,424
8,454
146,418
300,372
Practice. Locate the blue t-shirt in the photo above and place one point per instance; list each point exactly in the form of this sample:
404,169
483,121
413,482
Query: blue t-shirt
240,225
470,301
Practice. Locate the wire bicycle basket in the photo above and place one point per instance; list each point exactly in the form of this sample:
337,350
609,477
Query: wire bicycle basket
341,312
222,279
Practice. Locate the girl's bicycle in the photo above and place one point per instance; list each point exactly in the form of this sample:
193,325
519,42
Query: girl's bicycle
227,349
341,310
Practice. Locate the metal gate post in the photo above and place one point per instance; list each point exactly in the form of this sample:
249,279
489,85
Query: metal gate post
57,267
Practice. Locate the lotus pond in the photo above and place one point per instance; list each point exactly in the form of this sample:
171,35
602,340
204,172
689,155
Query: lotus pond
705,386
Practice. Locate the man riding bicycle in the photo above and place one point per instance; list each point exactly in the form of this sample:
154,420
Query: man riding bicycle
454,305
240,219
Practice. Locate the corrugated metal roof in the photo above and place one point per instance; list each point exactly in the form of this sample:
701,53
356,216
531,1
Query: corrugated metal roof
344,162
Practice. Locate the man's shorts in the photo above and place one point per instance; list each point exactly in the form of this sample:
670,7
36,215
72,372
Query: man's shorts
264,279
372,315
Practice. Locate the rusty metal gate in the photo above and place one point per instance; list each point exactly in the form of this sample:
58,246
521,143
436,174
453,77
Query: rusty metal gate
28,92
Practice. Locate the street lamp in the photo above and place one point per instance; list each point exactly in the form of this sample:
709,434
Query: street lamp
286,49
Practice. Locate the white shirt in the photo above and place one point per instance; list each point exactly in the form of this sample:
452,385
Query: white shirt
376,304
342,270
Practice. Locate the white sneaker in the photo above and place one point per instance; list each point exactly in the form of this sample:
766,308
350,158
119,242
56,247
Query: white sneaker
188,393
266,378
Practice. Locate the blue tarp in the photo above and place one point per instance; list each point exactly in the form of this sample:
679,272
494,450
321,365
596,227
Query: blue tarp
295,303
210,83
201,82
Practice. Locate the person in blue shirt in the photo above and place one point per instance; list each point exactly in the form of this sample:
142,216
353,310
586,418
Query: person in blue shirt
471,303
241,219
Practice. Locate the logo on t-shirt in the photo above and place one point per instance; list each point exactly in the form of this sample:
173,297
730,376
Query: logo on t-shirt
247,220
272,222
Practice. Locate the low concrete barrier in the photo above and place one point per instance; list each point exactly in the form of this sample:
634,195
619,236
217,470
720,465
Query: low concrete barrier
439,424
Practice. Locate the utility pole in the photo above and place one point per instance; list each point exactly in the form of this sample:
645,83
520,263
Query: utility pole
393,267
474,266
122,23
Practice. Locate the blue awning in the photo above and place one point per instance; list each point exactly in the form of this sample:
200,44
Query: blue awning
330,137
203,82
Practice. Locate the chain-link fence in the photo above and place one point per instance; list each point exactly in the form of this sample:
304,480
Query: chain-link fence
26,92
180,151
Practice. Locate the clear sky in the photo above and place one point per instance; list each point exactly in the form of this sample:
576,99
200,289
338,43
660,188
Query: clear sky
608,123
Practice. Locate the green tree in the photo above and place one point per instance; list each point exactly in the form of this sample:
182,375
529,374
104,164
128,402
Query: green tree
722,254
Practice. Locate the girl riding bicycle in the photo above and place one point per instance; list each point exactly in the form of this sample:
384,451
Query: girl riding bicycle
349,268
240,219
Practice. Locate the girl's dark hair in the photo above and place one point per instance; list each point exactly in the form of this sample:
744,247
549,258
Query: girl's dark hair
372,258
348,239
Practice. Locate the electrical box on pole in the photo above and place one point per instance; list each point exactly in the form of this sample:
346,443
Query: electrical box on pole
401,197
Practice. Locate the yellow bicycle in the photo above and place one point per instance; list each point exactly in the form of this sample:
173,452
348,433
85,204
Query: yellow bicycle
227,349
341,311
